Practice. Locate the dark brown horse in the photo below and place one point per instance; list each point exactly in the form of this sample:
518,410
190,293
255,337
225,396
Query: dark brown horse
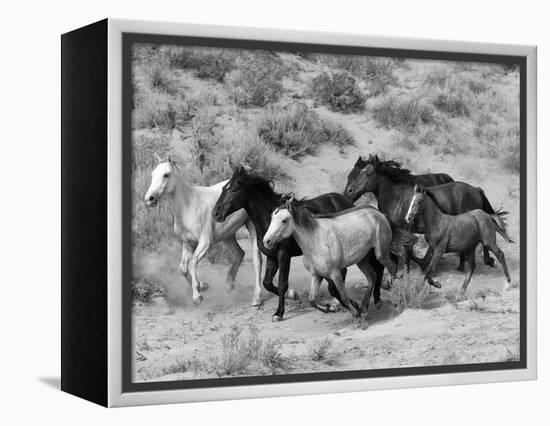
428,179
457,234
393,187
256,195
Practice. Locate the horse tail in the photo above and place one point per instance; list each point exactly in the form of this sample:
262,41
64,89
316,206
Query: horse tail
486,205
500,223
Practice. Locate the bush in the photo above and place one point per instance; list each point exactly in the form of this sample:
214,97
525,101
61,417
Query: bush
144,290
502,141
296,130
378,73
410,291
160,78
405,114
242,353
322,351
339,91
207,62
255,82
154,109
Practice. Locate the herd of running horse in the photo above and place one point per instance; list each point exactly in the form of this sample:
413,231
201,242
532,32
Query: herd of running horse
330,231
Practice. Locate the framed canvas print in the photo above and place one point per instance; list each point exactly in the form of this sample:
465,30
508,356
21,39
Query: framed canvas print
250,213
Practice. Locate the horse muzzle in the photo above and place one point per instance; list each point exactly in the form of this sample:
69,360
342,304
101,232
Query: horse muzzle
151,201
218,215
268,243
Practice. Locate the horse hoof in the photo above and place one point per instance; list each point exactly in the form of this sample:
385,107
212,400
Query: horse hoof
510,285
203,286
334,308
378,304
460,269
257,302
197,301
229,288
276,318
490,262
435,284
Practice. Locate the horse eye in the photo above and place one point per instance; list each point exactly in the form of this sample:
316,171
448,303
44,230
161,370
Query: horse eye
284,220
166,175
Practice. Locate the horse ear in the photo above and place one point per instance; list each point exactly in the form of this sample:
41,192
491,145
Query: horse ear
359,161
169,158
157,157
242,171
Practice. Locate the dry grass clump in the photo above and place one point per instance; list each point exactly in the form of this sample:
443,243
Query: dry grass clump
404,112
246,354
377,73
159,110
207,62
215,153
296,130
338,90
144,290
257,81
410,291
322,350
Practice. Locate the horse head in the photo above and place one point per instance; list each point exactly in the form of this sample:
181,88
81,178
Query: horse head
232,197
162,181
362,177
416,203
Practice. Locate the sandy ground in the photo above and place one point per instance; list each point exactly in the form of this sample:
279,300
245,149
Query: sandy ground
438,334
175,341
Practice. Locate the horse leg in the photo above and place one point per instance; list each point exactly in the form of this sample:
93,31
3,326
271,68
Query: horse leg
500,256
436,256
336,276
470,258
365,267
238,255
271,267
382,254
461,263
378,269
283,260
487,259
335,304
257,261
313,290
187,249
201,249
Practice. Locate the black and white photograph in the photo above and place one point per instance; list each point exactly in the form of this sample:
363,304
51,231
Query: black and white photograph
297,212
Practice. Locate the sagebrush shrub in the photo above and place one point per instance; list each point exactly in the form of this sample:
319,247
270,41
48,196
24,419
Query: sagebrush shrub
410,291
256,82
207,62
404,113
297,130
339,91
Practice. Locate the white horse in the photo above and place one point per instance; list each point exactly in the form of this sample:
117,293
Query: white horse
193,224
333,241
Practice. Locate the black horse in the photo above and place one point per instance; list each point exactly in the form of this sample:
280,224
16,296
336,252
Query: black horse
393,187
256,195
428,179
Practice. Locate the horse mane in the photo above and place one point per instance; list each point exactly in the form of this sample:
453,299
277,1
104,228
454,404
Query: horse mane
301,215
342,212
393,170
259,183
